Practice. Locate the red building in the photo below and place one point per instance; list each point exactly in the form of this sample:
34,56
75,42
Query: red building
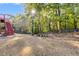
5,26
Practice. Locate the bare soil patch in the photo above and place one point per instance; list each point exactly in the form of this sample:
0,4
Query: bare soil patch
64,44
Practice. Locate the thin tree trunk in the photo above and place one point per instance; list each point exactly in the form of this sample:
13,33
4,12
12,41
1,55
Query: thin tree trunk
39,30
49,25
58,13
32,25
75,25
65,25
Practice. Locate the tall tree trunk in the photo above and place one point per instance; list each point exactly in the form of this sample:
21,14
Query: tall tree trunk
39,30
75,22
32,25
59,23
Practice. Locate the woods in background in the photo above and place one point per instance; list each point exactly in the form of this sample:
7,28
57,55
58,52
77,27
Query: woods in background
47,17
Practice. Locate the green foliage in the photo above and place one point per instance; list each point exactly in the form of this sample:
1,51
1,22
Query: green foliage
48,17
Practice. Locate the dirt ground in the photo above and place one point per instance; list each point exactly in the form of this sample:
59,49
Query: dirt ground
65,44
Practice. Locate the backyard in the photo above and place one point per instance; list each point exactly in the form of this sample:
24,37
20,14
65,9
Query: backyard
39,29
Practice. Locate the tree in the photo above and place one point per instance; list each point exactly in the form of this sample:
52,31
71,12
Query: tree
49,17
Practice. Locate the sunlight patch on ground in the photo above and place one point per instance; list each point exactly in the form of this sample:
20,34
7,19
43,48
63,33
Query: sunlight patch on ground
76,36
13,41
26,51
39,46
73,43
16,38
